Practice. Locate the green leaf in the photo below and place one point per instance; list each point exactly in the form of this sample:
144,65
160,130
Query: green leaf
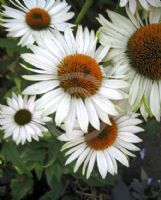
8,43
11,46
38,170
53,151
49,175
21,186
55,193
10,153
18,83
37,155
54,130
95,179
4,64
9,92
3,2
152,127
54,173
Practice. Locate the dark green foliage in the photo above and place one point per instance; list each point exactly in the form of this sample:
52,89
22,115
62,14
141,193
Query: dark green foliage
36,170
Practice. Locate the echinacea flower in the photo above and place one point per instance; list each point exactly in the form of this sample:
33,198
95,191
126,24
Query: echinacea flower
32,19
146,4
105,147
136,53
73,80
21,119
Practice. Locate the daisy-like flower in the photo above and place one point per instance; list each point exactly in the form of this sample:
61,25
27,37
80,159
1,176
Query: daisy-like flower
104,147
72,79
146,4
35,18
21,119
136,52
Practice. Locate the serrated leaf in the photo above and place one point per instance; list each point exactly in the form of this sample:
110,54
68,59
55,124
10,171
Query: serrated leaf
53,174
55,193
10,153
95,180
21,186
38,170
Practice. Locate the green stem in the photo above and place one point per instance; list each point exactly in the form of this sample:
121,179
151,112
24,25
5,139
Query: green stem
83,12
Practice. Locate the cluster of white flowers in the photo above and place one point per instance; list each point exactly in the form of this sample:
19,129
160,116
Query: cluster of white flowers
85,94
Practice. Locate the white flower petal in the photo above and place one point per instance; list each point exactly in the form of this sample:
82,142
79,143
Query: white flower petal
91,164
81,159
58,12
63,109
41,87
75,155
93,117
12,126
155,101
102,164
82,115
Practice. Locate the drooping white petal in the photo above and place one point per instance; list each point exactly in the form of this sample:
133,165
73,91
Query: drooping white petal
81,159
102,164
63,109
118,155
75,155
82,115
82,151
109,162
91,164
155,101
69,123
93,117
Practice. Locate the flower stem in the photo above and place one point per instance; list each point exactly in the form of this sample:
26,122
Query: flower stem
83,11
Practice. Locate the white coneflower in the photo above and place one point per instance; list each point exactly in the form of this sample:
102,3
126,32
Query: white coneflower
103,147
146,4
21,119
72,79
33,19
136,52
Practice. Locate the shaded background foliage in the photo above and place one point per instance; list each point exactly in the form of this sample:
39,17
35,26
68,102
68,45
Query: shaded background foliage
36,170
